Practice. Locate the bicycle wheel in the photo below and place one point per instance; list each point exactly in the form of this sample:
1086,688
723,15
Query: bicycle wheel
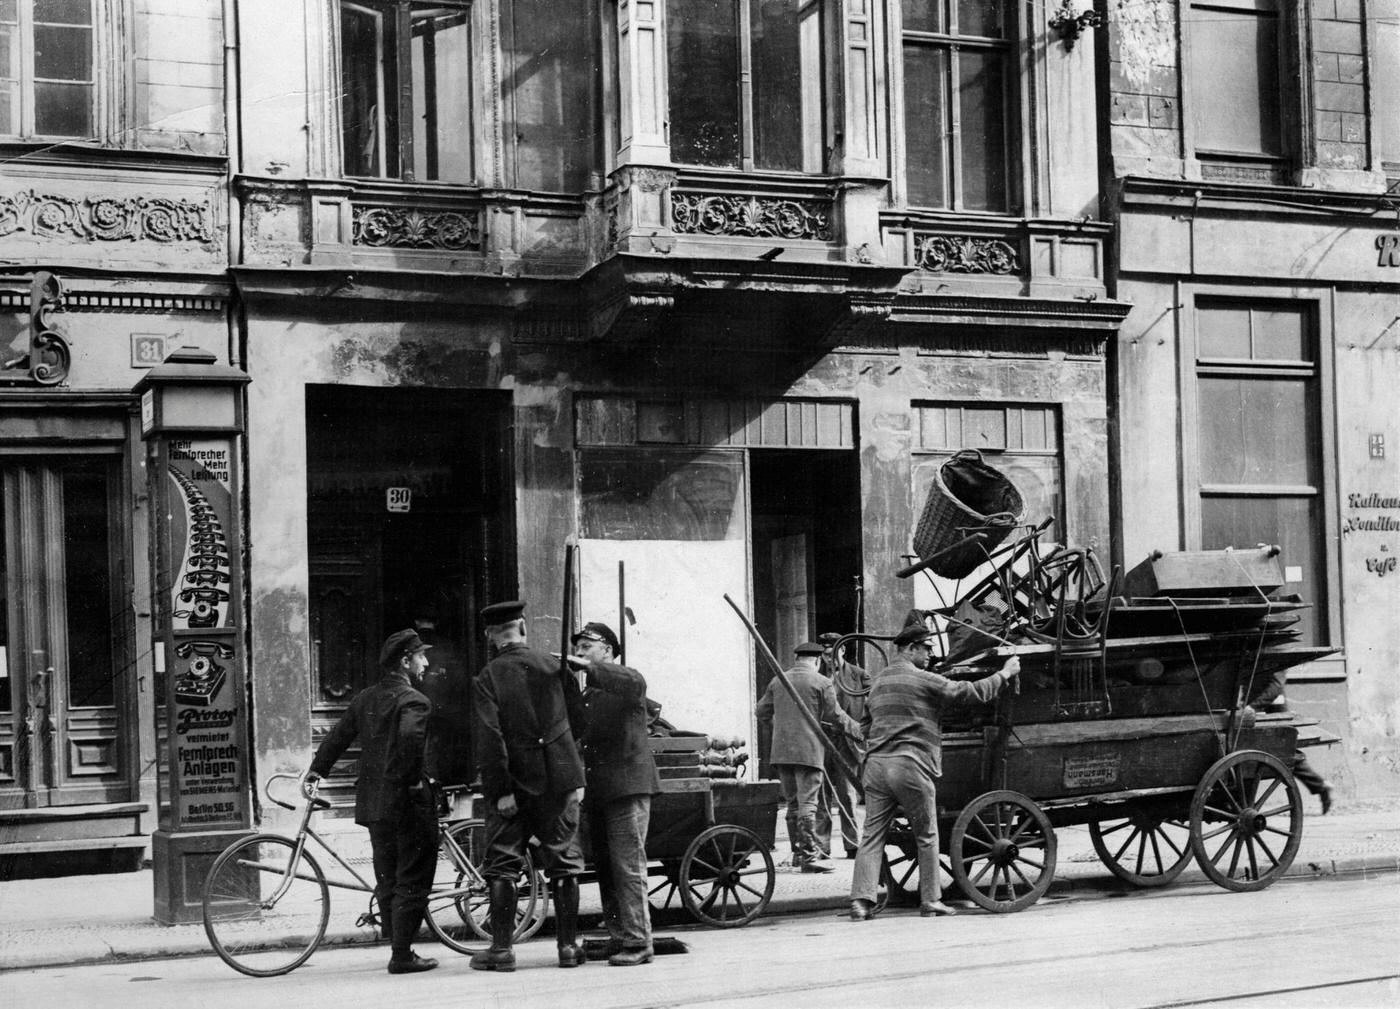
264,911
459,908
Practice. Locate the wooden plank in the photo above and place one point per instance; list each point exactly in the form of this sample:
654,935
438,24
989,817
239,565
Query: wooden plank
74,844
1070,733
670,785
87,812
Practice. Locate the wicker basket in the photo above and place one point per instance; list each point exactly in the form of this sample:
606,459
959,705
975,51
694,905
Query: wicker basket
967,496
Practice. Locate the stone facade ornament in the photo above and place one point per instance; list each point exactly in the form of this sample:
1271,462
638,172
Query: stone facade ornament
964,254
105,218
411,228
755,216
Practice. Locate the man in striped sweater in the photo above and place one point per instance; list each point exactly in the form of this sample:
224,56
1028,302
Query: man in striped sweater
903,757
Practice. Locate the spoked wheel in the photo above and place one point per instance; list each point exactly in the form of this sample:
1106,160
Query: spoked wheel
726,876
1002,851
265,909
899,872
459,908
1145,848
1246,820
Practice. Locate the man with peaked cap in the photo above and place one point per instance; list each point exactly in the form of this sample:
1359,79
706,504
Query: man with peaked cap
622,778
904,758
797,750
526,717
390,719
840,794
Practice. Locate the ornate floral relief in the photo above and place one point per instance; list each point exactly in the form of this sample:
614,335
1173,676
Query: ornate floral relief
761,217
964,254
106,219
407,228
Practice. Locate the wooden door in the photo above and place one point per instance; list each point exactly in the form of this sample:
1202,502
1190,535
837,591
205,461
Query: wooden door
64,722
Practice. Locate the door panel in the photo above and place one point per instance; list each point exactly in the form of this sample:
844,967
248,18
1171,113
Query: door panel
62,737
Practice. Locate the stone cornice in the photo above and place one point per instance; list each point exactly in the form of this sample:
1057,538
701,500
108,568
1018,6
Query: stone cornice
1139,193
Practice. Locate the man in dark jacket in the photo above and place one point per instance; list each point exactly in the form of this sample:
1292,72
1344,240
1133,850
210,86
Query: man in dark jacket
390,719
797,750
622,778
840,795
526,716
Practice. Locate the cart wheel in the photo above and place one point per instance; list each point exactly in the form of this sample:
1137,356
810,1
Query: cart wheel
899,871
1246,820
664,887
1002,851
1144,849
718,873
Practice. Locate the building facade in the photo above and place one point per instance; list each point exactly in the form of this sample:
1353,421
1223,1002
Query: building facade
1255,186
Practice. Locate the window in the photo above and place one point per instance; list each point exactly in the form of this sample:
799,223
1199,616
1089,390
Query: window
47,87
1385,88
1235,69
1259,440
958,62
745,83
406,90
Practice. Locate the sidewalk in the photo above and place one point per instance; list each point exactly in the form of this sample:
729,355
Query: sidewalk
84,919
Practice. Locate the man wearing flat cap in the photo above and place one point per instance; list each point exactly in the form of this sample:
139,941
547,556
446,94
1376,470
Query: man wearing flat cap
840,795
622,778
392,799
526,717
797,749
904,757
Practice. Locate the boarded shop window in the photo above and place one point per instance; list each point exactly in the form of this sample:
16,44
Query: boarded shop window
1259,440
47,85
406,90
957,103
745,80
1233,58
644,495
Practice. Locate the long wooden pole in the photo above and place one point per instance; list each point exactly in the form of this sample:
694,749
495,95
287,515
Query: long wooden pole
837,758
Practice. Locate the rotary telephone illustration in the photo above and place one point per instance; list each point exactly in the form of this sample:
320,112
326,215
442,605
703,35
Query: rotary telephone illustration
200,682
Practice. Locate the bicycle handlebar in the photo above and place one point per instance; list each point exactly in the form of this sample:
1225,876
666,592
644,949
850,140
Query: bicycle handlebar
307,789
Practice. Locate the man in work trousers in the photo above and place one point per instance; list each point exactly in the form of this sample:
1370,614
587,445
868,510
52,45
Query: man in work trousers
1270,698
840,795
797,750
526,717
904,757
392,800
622,778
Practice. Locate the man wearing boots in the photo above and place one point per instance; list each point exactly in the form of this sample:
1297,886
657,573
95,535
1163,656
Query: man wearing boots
392,800
622,778
526,716
797,751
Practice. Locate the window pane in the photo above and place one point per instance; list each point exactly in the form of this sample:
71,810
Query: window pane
365,111
924,16
442,95
63,110
661,495
1257,431
982,102
550,57
62,54
9,107
9,51
926,125
87,559
1293,524
982,17
1385,68
703,50
1234,67
63,12
1279,335
1223,331
777,84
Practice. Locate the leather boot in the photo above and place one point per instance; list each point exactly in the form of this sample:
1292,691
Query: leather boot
566,922
500,957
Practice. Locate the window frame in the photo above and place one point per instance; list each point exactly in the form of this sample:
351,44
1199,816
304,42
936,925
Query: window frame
952,43
400,14
1318,308
744,85
26,79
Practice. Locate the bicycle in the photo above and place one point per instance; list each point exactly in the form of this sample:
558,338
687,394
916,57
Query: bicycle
267,900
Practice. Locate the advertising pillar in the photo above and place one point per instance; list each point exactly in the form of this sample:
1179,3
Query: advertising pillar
191,420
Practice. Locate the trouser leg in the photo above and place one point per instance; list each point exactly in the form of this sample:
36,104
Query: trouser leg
383,839
627,821
417,862
880,809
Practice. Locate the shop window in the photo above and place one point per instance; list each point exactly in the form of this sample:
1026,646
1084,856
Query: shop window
47,83
1258,453
1385,89
1235,66
406,90
958,66
745,79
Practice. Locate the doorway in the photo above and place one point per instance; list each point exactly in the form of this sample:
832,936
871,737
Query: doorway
806,536
65,635
411,499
